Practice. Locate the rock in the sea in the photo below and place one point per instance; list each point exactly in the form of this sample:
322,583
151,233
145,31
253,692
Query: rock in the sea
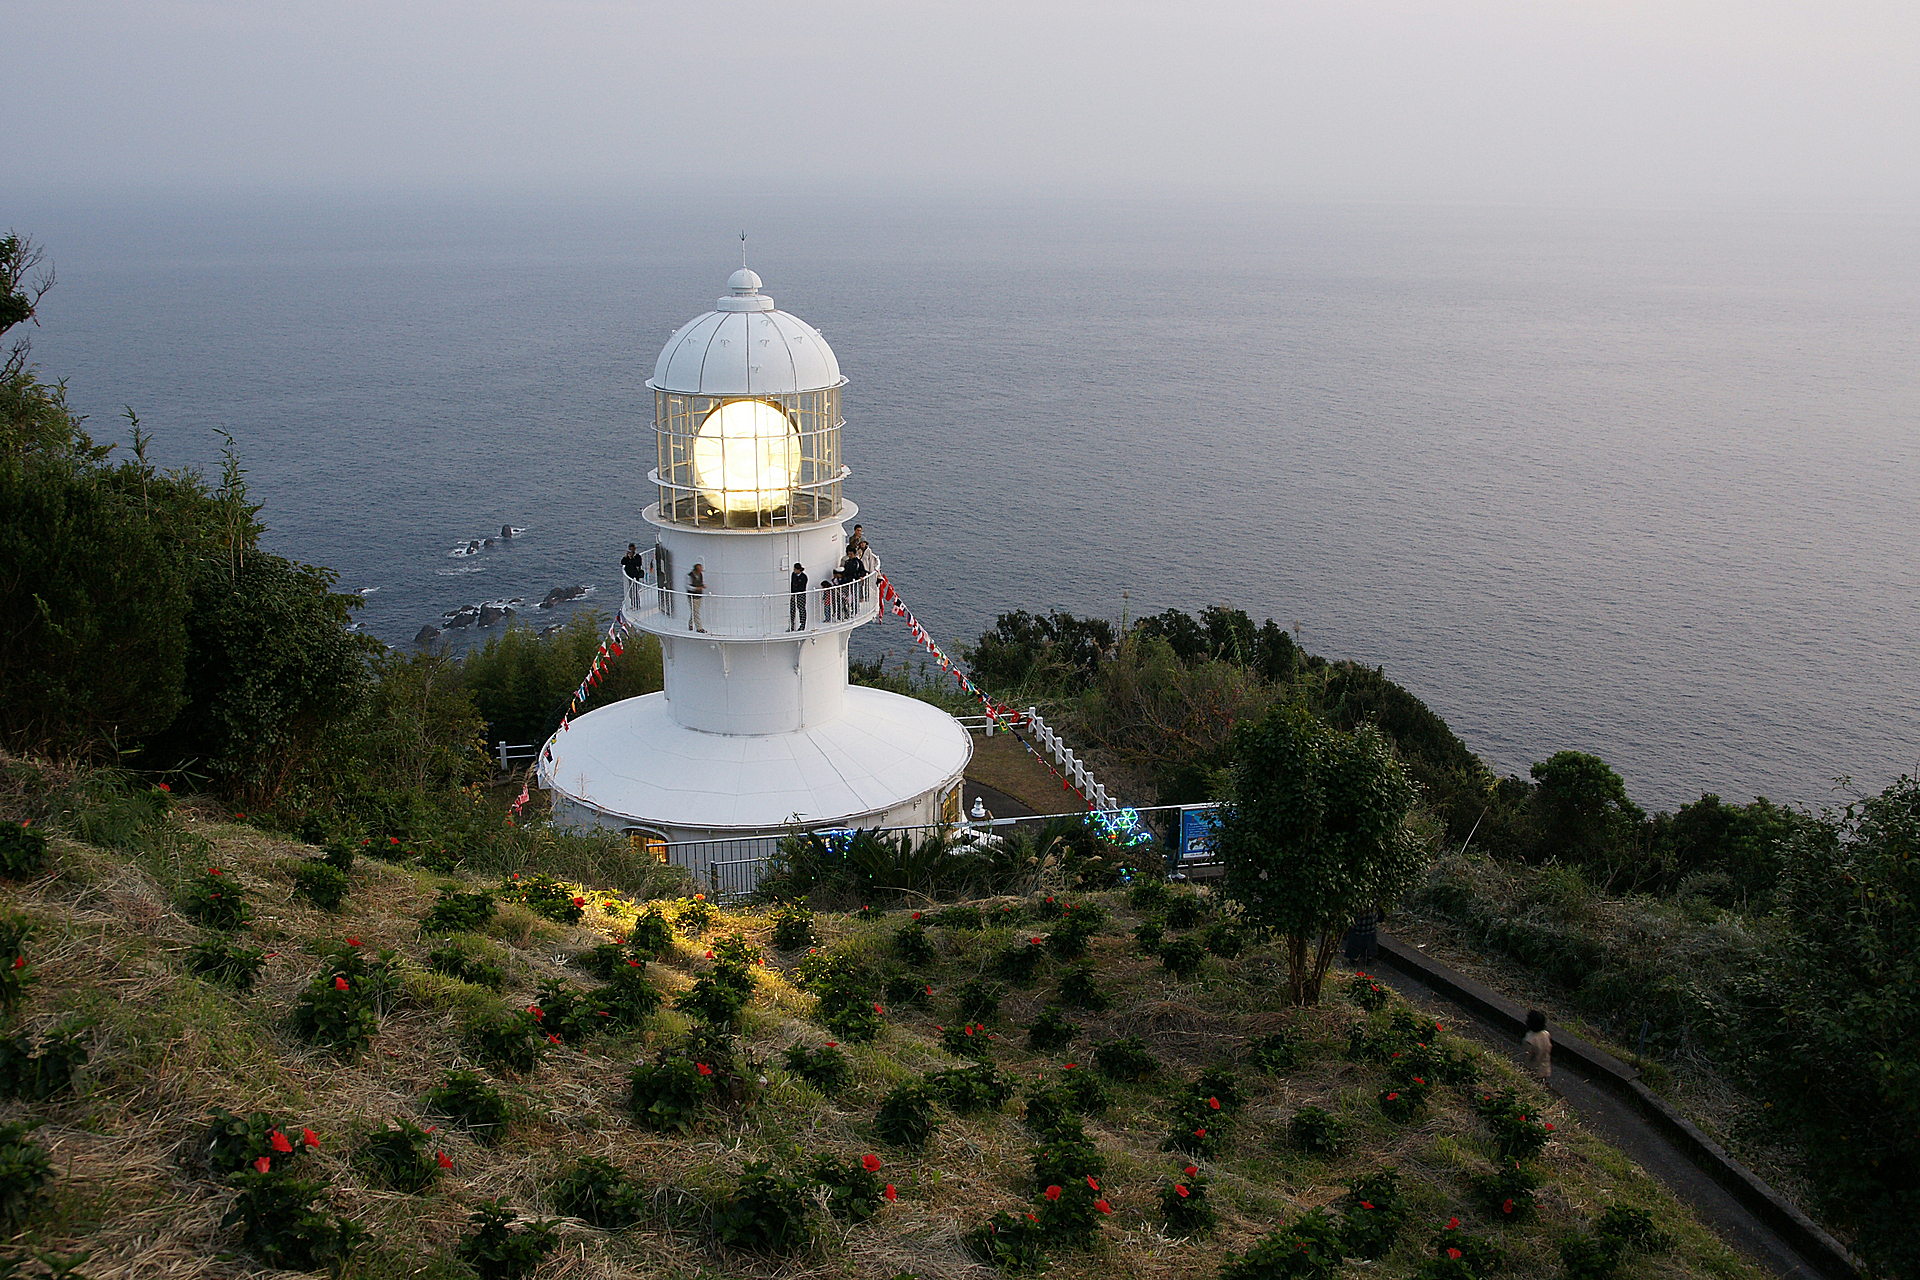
506,532
465,617
428,634
560,595
487,543
490,614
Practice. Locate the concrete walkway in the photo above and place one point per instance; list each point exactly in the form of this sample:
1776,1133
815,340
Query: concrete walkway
1744,1212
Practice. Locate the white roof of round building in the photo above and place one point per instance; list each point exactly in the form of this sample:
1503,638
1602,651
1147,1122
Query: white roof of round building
745,347
633,759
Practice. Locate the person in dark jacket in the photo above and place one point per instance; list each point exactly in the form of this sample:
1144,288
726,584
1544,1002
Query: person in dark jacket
663,574
797,601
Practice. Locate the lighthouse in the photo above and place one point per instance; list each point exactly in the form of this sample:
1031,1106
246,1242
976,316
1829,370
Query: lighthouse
758,731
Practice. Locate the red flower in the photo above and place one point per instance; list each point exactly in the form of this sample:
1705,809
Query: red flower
280,1143
534,1009
213,871
1418,1080
552,1039
1507,1207
1092,1183
1191,1171
1453,1224
263,1164
633,964
1199,1133
1103,1206
871,1163
709,955
929,985
916,915
833,1044
239,817
878,1009
705,1070
1070,1066
1438,1027
1034,941
164,787
1031,1218
1053,1193
1214,1103
353,942
1366,1204
1393,1097
396,840
1549,1127
339,983
19,962
1180,1190
579,902
440,1158
309,1137
1453,1253
891,1193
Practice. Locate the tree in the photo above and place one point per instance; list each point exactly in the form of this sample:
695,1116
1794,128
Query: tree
1583,813
1317,832
19,297
1834,1019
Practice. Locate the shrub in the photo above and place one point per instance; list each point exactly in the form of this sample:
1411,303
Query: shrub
1225,940
341,1006
826,1069
1050,1030
868,911
854,1192
963,1090
221,959
1505,1195
1367,993
907,989
509,1040
1126,1059
1089,1096
231,1143
959,918
716,999
338,854
599,1191
1588,1257
496,1251
25,1171
1307,1250
322,885
966,1040
1183,957
912,945
850,1013
1050,1112
977,1001
765,1212
464,1098
1020,962
396,1156
15,975
792,928
1375,1210
565,1011
1634,1227
214,898
906,1118
283,1229
670,1094
1148,894
694,915
1276,1054
1315,1130
1066,1155
1009,1243
23,851
1219,1084
1404,1102
1197,1130
735,952
1148,934
1071,1212
1080,989
1475,1256
458,960
651,936
626,1002
1183,1203
546,896
1185,911
1068,941
457,912
36,1077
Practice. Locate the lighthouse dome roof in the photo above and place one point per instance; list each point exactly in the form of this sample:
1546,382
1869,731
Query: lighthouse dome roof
745,347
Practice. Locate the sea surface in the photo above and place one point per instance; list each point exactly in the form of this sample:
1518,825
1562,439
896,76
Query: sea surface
1644,484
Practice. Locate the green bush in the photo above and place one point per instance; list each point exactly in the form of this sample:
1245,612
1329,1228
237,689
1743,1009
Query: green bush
1588,1257
467,963
221,959
1149,895
963,1090
1020,962
1083,1087
1149,934
1183,957
1225,940
15,973
826,1069
627,1001
913,946
1315,1130
322,885
1307,1250
455,911
230,1143
1050,1111
397,1157
905,1117
1633,1227
966,1040
1505,1195
1126,1059
508,1040
671,1094
36,1077
215,899
1009,1243
1068,940
284,1230
1467,1255
496,1251
908,989
341,1006
1197,1129
792,928
337,854
716,998
1071,1212
765,1213
467,1100
1080,989
959,918
1374,1212
1185,911
1368,993
694,915
651,936
1183,1203
23,851
854,1191
977,1001
600,1192
25,1171
1066,1155
1050,1030
1406,1102
1276,1054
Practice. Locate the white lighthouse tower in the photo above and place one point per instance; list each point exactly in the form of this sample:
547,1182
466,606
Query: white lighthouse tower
758,730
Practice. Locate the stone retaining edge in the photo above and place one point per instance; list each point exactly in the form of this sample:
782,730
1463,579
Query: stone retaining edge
1826,1254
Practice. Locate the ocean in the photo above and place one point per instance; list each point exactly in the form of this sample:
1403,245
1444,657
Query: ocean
1636,483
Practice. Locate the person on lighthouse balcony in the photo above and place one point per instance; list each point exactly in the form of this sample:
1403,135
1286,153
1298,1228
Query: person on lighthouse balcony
797,599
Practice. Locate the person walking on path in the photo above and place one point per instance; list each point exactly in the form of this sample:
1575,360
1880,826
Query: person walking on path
1539,1045
797,599
663,574
696,588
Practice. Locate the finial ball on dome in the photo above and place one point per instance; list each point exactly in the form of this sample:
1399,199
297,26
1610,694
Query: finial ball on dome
743,281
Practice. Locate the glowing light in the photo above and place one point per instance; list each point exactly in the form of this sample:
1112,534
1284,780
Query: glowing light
1121,827
746,457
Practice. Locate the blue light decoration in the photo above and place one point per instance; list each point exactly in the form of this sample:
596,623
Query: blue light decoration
1121,827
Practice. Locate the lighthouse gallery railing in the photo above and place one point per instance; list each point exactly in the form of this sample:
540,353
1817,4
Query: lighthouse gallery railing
651,604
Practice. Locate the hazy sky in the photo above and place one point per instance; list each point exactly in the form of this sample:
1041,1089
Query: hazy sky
1606,101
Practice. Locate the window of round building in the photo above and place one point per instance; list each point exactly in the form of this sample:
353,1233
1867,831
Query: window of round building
746,458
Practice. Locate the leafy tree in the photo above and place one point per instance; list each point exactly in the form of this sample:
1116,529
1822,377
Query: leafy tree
1583,813
1316,832
1834,1019
522,682
1025,651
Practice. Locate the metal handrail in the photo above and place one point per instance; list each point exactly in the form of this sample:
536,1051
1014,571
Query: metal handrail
668,610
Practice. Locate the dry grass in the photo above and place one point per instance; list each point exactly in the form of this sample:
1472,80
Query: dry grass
167,1047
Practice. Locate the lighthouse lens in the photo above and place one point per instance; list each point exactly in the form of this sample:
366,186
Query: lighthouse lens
746,456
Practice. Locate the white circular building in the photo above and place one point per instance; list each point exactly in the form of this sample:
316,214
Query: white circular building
757,731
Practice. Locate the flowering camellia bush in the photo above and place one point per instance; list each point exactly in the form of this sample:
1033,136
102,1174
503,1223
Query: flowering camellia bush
694,915
906,1118
214,899
966,1040
854,1189
600,1192
402,1156
496,1251
1505,1195
1084,1090
1126,1060
670,1094
341,1007
1307,1250
1405,1101
913,946
1021,962
1183,1203
1367,992
1374,1211
464,1098
509,1040
1010,1243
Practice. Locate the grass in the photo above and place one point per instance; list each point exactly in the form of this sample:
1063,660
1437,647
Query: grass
166,1048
